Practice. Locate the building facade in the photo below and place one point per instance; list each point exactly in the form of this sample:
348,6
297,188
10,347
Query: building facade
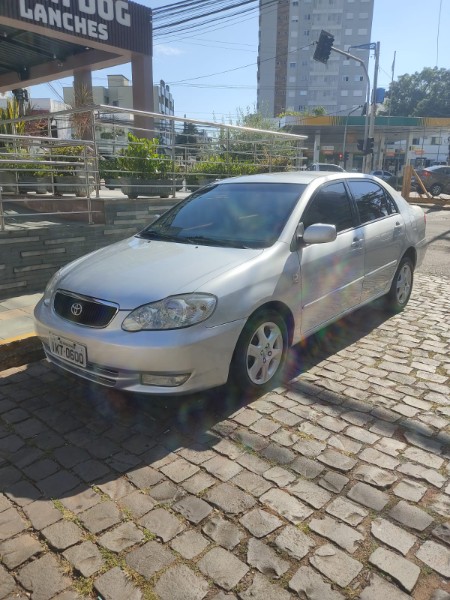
288,77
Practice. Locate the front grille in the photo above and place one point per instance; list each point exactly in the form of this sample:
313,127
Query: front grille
84,311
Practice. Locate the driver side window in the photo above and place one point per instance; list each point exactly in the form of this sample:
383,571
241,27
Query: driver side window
330,205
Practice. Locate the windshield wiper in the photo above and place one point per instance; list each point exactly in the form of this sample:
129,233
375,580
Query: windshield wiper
207,241
156,235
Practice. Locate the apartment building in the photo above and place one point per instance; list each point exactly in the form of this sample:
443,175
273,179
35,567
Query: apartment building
288,77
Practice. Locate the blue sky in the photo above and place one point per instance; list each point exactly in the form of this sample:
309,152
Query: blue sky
227,55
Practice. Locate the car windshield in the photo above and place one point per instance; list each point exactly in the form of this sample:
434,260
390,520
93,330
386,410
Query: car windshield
239,215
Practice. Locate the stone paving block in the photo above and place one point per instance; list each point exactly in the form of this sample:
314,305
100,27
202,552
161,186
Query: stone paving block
246,417
347,511
375,476
149,559
198,453
441,505
409,490
262,588
317,432
411,516
435,556
336,460
343,535
100,517
193,509
42,513
260,523
17,550
162,523
4,502
226,447
442,532
400,569
265,427
254,463
11,523
310,493
379,589
344,444
43,577
281,477
63,534
85,557
23,493
59,484
7,584
145,477
375,457
116,488
333,482
311,584
189,544
181,583
286,417
293,541
222,468
368,496
179,470
252,440
286,505
166,492
283,437
278,454
306,467
121,537
424,458
423,474
223,568
137,503
81,499
230,499
335,564
198,483
393,536
114,584
223,532
309,448
252,483
266,560
362,435
91,470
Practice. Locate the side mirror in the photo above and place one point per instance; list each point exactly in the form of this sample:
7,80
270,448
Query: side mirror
319,233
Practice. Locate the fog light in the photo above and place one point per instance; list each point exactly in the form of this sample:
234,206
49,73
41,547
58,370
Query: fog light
164,380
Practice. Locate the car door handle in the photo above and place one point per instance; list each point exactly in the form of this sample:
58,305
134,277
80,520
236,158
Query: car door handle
357,243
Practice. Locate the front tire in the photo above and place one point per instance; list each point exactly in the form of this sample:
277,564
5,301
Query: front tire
401,287
260,353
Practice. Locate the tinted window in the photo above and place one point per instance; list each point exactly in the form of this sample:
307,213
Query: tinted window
372,201
330,205
229,214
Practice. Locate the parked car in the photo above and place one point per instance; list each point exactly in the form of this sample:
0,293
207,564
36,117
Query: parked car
325,167
386,176
225,281
435,179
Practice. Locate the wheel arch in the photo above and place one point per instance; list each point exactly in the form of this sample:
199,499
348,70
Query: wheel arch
410,253
285,313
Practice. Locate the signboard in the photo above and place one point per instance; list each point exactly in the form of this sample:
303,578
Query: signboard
118,23
328,148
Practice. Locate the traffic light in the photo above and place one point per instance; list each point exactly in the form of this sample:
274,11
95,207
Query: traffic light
346,156
323,47
360,145
369,146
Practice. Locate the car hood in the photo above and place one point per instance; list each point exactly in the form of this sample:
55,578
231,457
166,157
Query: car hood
137,271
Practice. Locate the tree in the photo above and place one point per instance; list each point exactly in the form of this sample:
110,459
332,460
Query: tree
424,94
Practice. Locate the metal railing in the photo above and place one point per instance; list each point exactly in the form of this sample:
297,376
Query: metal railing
81,152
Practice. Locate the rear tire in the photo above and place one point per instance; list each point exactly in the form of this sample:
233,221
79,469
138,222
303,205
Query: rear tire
260,353
436,189
401,287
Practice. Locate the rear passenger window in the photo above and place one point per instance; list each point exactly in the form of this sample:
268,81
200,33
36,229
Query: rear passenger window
331,205
373,201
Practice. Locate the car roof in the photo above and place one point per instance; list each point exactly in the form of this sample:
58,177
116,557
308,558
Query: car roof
304,177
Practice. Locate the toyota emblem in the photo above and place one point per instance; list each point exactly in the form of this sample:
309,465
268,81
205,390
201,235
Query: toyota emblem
76,309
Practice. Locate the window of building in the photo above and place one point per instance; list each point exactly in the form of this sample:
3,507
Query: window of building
303,93
358,78
348,32
362,31
416,141
357,92
301,107
349,15
436,141
344,92
306,33
294,2
307,17
294,34
292,65
291,94
363,15
346,78
294,19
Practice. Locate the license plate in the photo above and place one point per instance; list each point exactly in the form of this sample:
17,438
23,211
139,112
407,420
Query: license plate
68,350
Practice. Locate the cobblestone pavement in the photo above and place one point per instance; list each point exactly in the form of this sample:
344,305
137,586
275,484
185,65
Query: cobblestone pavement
337,486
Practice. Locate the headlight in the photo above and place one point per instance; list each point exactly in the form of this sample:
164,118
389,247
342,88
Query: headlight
171,313
51,287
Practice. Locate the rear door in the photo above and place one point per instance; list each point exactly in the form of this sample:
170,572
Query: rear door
331,273
384,233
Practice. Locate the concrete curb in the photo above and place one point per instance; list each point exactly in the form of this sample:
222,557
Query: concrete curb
20,350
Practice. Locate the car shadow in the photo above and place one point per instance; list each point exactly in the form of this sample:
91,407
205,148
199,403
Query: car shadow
60,436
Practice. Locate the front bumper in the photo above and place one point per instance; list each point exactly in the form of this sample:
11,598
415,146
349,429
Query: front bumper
117,358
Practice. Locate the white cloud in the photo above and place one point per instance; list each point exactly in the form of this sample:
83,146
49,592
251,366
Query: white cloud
164,50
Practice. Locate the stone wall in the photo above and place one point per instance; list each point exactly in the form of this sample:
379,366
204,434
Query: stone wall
30,256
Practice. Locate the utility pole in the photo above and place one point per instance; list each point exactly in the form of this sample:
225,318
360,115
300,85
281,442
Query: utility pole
373,107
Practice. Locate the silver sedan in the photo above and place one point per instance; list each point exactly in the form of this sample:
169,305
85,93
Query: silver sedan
223,283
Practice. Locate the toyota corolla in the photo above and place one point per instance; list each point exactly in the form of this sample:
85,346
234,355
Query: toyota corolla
225,281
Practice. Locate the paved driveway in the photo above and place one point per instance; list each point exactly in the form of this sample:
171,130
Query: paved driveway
337,486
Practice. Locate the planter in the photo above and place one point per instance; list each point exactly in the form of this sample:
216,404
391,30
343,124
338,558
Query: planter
153,187
31,183
8,182
112,184
73,184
